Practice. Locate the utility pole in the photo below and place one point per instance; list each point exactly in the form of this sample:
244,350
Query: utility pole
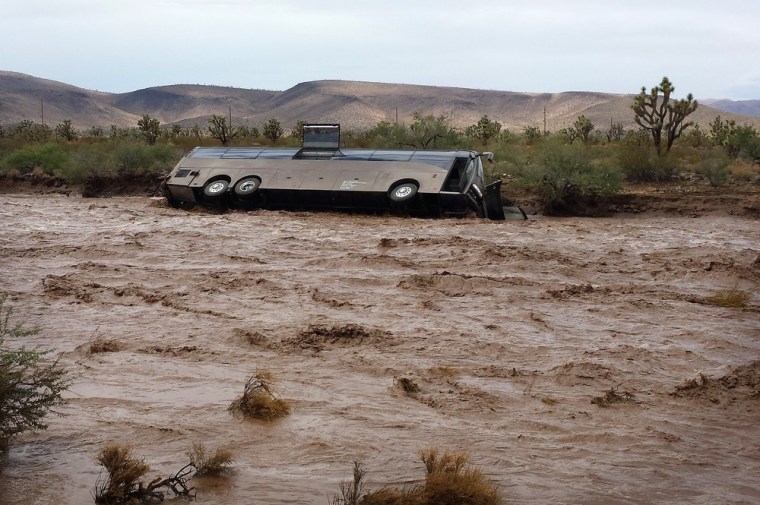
42,112
544,120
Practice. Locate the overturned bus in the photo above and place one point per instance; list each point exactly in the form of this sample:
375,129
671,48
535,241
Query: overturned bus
321,175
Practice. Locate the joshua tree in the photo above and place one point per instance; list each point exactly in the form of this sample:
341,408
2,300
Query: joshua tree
150,128
219,129
65,131
656,113
583,127
484,130
272,129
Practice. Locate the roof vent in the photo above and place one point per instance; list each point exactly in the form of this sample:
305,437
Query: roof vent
320,141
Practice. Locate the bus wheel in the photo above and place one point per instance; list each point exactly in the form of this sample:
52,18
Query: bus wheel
215,188
247,186
403,192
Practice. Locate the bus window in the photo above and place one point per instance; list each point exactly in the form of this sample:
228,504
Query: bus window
469,171
456,176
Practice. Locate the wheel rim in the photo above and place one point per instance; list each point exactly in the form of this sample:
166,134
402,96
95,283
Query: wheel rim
403,191
216,187
247,186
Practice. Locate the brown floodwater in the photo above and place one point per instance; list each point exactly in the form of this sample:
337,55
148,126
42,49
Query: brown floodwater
513,331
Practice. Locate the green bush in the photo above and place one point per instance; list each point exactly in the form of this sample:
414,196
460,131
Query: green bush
88,162
117,159
29,388
714,167
568,180
641,163
49,157
132,158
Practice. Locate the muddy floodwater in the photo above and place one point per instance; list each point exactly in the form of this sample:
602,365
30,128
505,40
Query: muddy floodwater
576,360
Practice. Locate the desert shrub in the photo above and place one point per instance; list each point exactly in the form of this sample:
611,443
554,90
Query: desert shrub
259,401
123,482
352,492
567,181
729,298
612,396
49,157
30,131
124,473
449,480
714,167
640,163
132,158
29,388
128,157
88,161
744,170
210,465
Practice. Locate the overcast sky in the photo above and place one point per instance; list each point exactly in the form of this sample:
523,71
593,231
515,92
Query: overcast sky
709,48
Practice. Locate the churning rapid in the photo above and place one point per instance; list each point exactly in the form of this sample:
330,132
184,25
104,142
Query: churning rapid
576,360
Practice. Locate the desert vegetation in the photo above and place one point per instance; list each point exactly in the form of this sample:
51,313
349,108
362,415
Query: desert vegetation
125,473
730,298
30,385
449,480
259,401
571,171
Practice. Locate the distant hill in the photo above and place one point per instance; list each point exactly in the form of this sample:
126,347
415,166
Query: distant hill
356,105
743,107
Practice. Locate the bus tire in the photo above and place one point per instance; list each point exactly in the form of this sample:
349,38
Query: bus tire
247,186
216,188
403,192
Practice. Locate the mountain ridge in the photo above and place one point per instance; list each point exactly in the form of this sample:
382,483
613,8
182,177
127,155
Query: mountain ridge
355,104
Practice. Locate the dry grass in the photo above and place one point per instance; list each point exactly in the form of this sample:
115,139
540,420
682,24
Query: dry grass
743,170
258,401
408,385
729,298
124,485
210,465
612,397
449,480
124,474
100,345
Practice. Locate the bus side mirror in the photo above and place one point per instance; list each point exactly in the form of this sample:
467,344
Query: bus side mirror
488,155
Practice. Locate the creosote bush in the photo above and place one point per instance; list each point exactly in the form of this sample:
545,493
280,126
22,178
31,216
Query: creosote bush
259,401
714,167
640,163
124,473
449,480
567,180
29,387
210,465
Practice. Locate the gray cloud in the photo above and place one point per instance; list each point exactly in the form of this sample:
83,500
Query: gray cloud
706,48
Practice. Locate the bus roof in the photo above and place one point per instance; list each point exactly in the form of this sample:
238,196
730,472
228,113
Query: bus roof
443,159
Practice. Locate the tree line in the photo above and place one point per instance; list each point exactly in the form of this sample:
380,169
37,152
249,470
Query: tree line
583,159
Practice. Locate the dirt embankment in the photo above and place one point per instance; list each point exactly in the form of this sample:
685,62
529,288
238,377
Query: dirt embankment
682,198
96,187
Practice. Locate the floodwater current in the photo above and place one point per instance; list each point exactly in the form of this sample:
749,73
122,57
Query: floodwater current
514,332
